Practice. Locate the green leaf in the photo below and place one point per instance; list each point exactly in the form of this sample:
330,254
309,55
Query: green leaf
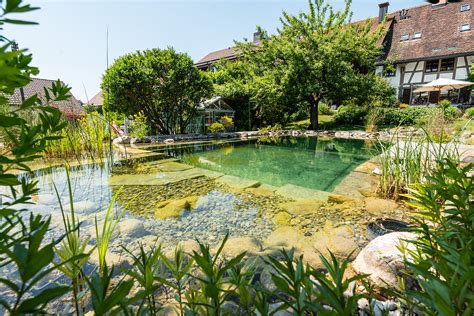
10,121
33,305
9,180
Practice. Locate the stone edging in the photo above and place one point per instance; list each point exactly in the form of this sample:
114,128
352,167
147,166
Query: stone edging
387,134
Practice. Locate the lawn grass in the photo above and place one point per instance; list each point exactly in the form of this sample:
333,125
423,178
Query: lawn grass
326,122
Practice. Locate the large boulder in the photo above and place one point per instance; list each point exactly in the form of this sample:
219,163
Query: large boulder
339,240
174,208
382,259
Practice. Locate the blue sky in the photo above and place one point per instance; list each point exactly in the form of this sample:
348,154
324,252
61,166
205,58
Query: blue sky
70,41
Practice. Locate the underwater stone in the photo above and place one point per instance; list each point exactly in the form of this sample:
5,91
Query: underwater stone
237,182
174,208
295,192
132,228
261,191
173,166
282,219
236,245
301,207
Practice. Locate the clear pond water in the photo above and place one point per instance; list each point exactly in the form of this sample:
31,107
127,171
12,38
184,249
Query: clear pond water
309,162
306,162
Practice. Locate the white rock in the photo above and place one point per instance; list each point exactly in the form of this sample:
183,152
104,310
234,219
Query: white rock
168,141
377,171
382,259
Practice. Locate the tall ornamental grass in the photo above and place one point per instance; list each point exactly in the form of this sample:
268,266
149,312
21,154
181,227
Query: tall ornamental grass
87,137
408,160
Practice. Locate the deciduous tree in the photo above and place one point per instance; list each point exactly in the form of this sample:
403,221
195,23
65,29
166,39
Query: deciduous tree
164,84
316,55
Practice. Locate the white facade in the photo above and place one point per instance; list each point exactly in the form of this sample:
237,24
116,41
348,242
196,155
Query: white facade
412,74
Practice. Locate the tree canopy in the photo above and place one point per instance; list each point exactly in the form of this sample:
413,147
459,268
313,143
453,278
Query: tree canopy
162,83
314,56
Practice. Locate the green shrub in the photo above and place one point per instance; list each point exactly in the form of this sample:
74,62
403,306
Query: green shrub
350,114
268,129
444,104
216,127
470,113
324,109
414,115
228,123
442,262
139,125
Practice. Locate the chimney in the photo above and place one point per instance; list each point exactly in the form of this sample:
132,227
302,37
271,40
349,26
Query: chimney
383,10
257,37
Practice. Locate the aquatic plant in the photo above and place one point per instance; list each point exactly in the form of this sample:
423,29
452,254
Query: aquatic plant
103,238
179,267
408,160
73,246
145,272
86,137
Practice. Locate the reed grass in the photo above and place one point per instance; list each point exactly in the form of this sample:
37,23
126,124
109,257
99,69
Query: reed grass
406,161
86,137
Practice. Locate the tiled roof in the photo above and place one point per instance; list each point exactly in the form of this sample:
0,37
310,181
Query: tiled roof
98,99
439,27
228,53
36,86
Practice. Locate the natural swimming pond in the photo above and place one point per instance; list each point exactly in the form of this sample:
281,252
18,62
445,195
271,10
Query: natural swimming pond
265,193
204,190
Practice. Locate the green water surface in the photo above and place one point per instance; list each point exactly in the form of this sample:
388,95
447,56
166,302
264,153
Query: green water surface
309,162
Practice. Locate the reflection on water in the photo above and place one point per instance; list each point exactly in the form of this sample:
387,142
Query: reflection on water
309,162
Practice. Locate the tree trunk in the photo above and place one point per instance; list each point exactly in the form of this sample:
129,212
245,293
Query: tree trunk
313,113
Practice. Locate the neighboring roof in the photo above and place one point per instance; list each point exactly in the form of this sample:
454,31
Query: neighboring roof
228,53
439,25
98,99
36,86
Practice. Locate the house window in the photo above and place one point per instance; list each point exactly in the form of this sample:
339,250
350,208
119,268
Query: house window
465,7
432,66
465,27
417,35
404,37
447,64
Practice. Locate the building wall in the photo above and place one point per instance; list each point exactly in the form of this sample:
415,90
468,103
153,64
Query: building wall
413,74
